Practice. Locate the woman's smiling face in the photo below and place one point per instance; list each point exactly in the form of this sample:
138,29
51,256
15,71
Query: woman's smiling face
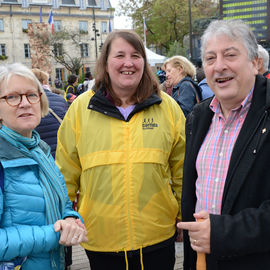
125,66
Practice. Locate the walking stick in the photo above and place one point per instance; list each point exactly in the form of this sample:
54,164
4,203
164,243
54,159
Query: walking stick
201,260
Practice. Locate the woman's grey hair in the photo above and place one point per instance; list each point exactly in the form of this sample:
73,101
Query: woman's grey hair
237,30
9,70
263,53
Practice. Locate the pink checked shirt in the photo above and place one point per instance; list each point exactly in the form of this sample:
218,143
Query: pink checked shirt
214,156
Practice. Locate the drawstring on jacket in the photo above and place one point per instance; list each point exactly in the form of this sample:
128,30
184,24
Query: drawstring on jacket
126,259
141,259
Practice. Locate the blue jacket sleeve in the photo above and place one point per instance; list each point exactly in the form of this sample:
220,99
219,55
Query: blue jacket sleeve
23,240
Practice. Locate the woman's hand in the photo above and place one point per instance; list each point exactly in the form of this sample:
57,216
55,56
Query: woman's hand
72,231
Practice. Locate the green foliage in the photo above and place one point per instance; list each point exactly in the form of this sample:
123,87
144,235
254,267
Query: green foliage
83,32
175,48
200,25
167,20
3,57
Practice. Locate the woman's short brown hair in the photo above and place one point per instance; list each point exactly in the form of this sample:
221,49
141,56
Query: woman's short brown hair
148,84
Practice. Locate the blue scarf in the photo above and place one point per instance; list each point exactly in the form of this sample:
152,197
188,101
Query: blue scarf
54,193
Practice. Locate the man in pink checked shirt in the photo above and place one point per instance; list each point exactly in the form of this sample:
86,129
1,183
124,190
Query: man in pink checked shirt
226,180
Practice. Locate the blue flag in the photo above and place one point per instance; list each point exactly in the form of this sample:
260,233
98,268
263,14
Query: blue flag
50,21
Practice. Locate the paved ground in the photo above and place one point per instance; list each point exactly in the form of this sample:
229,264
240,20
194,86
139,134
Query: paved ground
80,261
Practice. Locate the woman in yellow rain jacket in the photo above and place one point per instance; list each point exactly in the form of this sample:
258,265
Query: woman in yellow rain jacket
122,146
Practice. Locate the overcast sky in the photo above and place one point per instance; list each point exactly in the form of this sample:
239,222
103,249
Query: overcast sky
120,22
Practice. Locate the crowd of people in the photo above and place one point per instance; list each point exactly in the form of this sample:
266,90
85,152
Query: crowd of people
149,160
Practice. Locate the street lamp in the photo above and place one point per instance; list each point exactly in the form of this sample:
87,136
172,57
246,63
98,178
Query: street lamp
95,32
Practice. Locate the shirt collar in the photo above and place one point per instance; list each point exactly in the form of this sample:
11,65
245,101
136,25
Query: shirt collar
215,105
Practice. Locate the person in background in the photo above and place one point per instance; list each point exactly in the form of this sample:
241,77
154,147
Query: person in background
161,75
263,61
49,124
123,147
36,216
179,73
167,87
201,80
71,91
58,83
88,82
226,172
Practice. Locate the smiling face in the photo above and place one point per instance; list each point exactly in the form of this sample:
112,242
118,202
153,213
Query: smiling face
228,70
24,117
125,66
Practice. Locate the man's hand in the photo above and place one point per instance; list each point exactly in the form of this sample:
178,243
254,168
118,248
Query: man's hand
72,231
199,232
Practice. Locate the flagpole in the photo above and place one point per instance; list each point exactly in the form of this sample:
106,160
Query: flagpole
40,14
144,31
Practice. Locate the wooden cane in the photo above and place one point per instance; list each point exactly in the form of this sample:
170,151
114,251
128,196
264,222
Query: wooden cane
201,260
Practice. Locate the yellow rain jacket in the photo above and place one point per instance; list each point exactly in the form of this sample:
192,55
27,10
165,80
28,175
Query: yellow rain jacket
129,172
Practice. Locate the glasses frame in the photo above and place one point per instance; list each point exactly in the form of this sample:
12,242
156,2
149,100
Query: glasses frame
21,96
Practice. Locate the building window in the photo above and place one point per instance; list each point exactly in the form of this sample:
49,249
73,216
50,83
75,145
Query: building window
55,3
83,27
84,50
68,2
59,74
103,27
27,51
3,50
102,4
92,3
82,4
58,49
25,25
57,26
1,25
25,3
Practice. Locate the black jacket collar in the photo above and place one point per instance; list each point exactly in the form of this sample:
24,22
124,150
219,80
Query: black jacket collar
100,103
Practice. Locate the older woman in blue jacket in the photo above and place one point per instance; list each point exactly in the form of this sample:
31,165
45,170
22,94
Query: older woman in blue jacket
179,74
36,216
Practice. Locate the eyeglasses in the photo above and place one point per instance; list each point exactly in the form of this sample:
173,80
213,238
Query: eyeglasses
15,99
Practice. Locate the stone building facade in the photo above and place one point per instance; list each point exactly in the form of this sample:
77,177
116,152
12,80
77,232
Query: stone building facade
21,19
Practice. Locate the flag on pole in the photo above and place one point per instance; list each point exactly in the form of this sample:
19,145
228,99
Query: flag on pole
144,31
40,14
50,21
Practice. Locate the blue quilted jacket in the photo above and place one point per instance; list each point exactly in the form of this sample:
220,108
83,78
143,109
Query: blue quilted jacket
23,229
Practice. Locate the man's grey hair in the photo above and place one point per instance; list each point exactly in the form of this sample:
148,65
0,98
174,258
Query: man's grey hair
237,30
263,53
